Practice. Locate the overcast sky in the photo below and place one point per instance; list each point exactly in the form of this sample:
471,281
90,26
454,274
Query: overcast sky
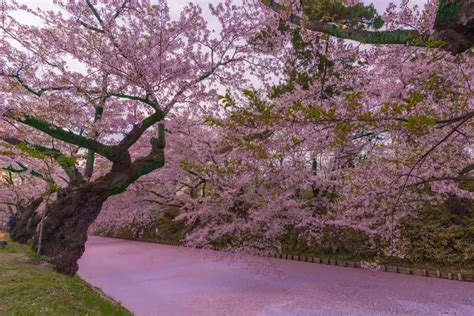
177,5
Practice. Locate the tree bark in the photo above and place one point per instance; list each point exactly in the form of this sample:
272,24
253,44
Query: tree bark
27,222
68,219
66,223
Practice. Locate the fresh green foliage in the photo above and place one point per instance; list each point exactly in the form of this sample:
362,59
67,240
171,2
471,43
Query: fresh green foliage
448,10
358,16
227,100
214,122
442,235
418,124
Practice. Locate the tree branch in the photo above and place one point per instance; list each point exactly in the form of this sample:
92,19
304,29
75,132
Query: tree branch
38,92
138,130
454,30
57,132
119,10
467,169
95,12
89,27
155,159
407,37
66,163
466,116
147,101
447,178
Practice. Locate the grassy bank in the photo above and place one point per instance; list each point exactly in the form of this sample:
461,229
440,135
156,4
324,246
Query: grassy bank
29,287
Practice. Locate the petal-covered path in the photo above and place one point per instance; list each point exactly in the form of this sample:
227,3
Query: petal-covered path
153,279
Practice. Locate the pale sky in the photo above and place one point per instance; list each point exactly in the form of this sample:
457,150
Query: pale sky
177,5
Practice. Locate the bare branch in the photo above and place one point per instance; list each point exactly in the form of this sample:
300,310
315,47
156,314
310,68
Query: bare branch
122,7
138,130
38,92
147,101
92,28
95,12
447,178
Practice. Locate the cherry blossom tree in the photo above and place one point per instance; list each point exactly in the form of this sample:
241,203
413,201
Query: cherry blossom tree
136,66
333,133
371,134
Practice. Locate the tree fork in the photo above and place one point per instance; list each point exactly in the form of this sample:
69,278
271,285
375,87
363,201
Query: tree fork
68,219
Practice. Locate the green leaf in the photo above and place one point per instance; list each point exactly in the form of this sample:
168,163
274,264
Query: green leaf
227,100
378,22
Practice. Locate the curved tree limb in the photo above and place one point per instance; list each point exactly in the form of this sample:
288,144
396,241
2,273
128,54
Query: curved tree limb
59,133
64,161
455,30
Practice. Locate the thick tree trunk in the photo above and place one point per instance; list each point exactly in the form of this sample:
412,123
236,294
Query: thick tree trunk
27,222
66,223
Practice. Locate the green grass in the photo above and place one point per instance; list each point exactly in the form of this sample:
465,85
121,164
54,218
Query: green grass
27,287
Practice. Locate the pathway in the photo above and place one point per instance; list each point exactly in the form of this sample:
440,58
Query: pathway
152,279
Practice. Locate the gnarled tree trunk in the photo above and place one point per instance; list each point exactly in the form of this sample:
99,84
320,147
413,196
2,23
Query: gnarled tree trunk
66,223
27,222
